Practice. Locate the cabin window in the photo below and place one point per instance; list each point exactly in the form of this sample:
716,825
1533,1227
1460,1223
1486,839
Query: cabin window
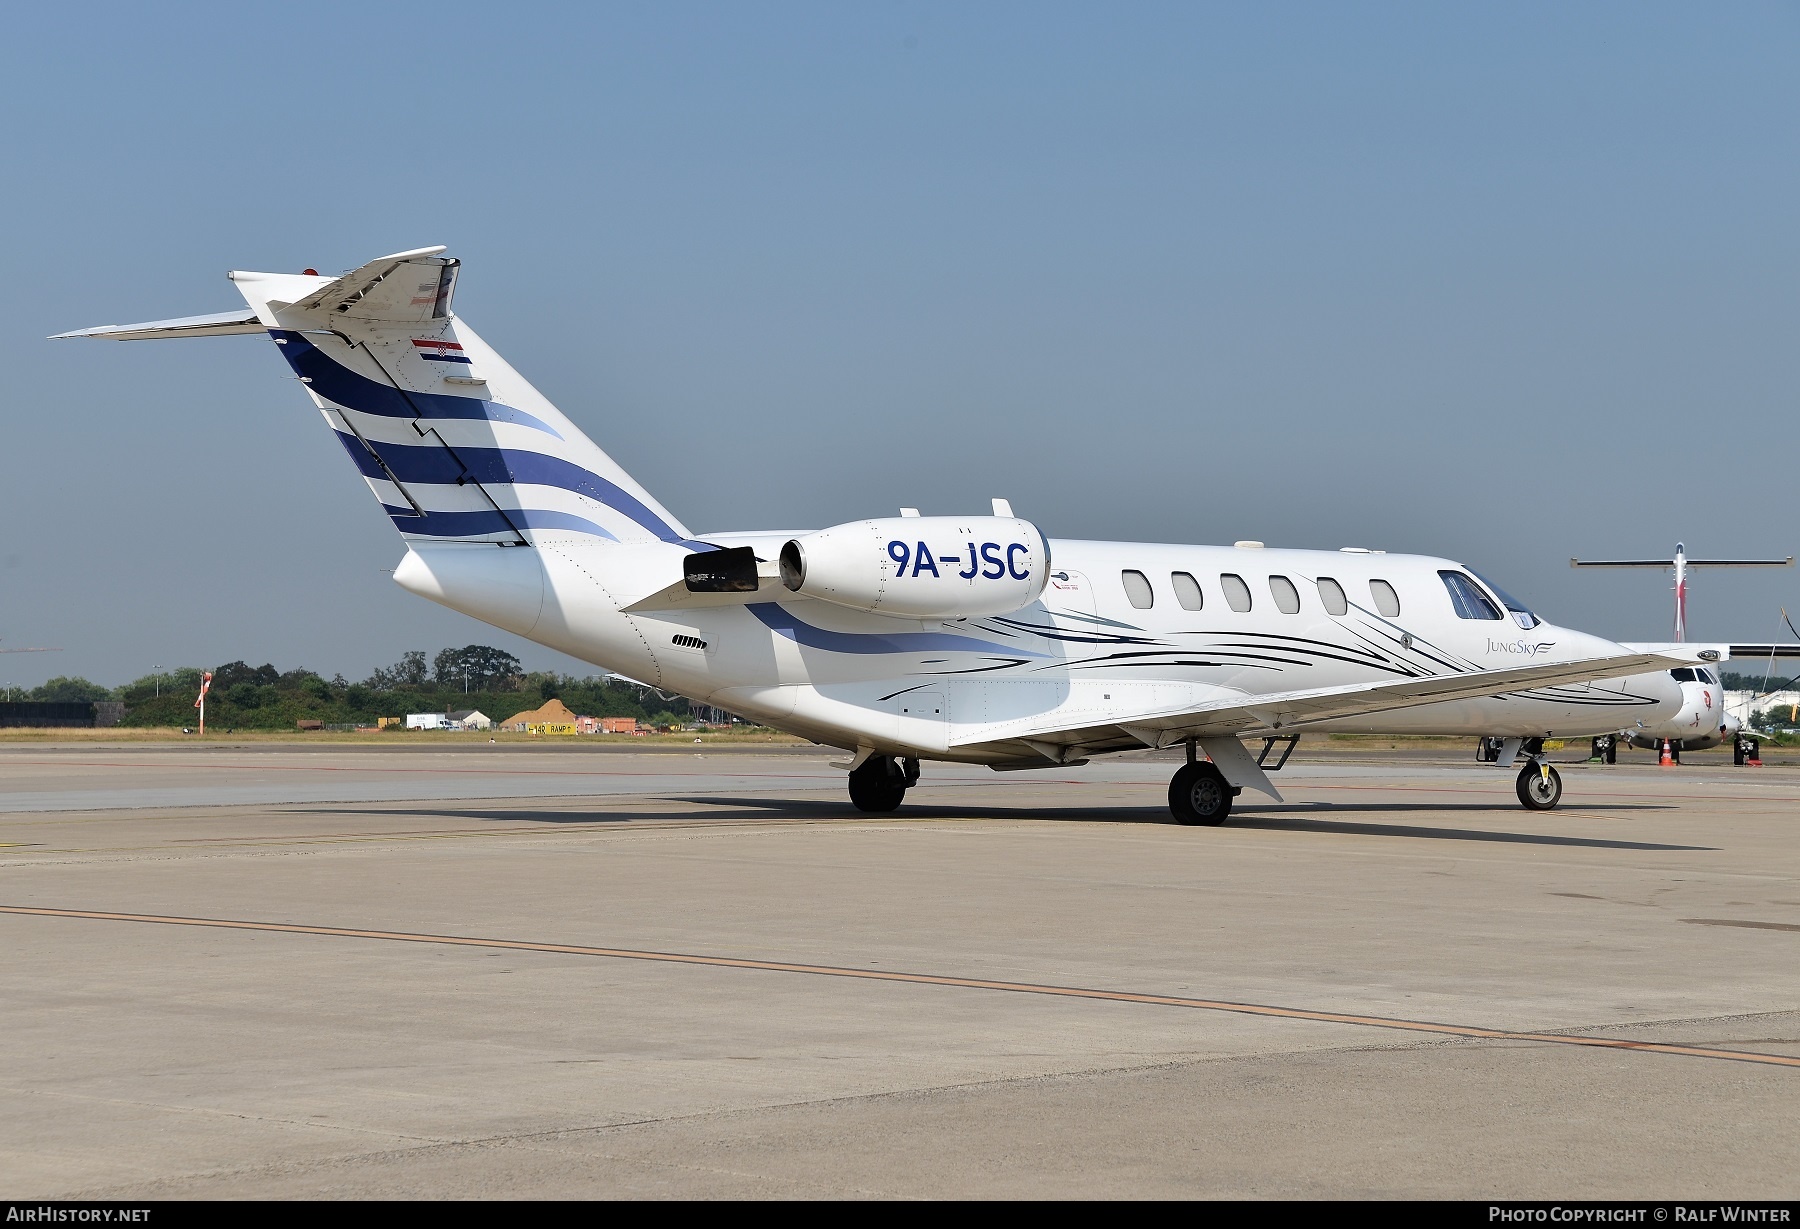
1332,594
1237,593
1137,588
1187,591
1386,600
1287,598
1470,602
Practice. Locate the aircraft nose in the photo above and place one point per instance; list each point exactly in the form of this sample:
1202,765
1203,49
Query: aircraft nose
1671,701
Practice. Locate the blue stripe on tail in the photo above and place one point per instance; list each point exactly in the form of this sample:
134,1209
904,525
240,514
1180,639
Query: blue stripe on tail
433,463
336,382
479,524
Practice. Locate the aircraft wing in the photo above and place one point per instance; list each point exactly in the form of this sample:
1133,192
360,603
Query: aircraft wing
1241,713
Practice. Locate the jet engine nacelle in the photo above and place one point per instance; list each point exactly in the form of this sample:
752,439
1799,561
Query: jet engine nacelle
921,567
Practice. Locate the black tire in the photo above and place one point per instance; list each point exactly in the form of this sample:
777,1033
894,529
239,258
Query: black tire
1540,789
877,785
1198,794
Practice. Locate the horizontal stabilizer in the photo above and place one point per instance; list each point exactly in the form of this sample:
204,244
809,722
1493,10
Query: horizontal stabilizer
405,288
1692,563
219,324
1720,650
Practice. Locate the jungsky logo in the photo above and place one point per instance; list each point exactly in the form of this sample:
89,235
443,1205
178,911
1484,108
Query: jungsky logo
1520,648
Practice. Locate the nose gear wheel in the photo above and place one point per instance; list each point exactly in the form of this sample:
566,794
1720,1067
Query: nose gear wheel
1540,787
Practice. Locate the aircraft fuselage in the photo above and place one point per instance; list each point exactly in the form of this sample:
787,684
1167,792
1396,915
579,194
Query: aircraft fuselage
984,689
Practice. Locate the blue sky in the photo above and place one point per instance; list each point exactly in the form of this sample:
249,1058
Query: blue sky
1508,283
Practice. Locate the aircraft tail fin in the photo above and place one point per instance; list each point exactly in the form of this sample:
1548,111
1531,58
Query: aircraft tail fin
455,444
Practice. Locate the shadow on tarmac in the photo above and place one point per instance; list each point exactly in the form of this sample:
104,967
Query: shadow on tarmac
1274,818
1262,819
1300,818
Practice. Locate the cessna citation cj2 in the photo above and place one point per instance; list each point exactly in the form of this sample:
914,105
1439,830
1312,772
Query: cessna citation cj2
971,639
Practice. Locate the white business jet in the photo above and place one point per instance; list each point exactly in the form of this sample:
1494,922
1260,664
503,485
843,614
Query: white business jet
963,638
1702,721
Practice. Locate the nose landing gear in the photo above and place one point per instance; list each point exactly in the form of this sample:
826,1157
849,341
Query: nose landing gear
1539,786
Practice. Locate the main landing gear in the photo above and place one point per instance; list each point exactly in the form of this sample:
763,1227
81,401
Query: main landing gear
879,783
1200,794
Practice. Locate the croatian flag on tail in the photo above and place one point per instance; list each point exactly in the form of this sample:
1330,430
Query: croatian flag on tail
440,351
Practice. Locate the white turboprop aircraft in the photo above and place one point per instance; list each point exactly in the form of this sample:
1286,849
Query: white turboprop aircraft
964,638
1702,721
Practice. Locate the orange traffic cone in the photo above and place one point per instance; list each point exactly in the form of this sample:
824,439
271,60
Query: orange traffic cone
1668,754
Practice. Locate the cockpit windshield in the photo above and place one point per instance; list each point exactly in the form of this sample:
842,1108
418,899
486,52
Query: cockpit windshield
1520,612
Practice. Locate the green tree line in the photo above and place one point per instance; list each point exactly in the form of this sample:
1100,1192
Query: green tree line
263,698
1780,680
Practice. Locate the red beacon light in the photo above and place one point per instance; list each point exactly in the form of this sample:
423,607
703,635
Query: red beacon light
310,272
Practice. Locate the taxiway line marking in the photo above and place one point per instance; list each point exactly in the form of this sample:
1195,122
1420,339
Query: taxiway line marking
930,979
